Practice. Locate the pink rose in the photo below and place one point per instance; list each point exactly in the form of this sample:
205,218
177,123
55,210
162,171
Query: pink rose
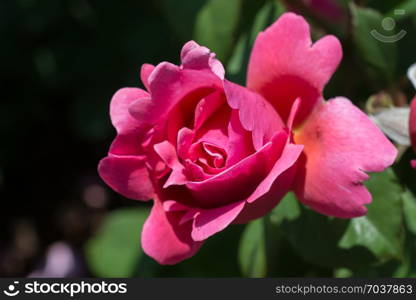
412,127
211,153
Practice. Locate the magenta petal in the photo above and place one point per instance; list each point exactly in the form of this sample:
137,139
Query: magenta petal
256,114
127,175
238,181
277,183
145,72
164,239
194,56
289,156
285,65
240,142
341,144
210,221
413,164
169,85
172,205
207,107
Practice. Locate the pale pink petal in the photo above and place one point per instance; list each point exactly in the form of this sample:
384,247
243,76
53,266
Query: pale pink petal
341,144
127,175
210,221
145,72
164,239
194,56
130,131
256,114
119,109
285,65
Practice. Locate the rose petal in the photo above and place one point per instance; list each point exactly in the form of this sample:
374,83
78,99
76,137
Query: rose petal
256,114
240,142
210,221
170,85
276,184
194,56
207,107
285,65
167,153
119,109
240,180
130,131
341,143
164,239
145,72
127,175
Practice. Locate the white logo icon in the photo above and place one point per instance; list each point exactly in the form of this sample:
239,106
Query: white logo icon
11,291
389,24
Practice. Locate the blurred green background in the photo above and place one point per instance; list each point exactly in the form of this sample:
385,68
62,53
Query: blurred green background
61,61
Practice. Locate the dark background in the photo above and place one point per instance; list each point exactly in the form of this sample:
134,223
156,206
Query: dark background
61,61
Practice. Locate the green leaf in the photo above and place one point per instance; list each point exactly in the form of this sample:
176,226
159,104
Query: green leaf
288,209
115,250
409,210
315,237
216,24
252,253
378,54
381,230
259,248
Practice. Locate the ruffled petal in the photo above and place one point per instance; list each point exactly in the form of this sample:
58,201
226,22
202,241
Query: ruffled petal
130,131
164,239
119,110
170,85
285,65
145,72
256,114
239,181
127,175
210,221
194,56
167,153
341,144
